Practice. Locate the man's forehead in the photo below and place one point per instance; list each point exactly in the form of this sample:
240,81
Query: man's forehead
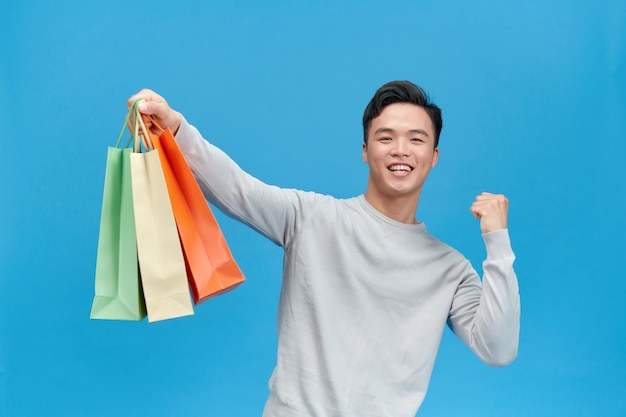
407,117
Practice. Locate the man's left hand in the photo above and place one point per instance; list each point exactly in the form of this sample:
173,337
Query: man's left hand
492,210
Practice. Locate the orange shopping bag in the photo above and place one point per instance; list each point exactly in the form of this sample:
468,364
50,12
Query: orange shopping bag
211,268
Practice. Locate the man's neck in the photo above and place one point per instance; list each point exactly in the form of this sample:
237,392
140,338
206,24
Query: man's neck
401,208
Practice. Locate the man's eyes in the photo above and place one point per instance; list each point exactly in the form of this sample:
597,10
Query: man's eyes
389,139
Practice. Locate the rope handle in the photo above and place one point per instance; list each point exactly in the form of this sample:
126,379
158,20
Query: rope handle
154,123
131,110
140,134
144,135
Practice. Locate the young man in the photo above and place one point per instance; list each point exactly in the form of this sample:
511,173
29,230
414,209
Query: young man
366,291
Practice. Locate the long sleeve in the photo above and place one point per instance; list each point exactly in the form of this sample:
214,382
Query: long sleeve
486,316
270,210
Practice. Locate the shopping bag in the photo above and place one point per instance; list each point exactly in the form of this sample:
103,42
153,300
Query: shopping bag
163,273
118,293
211,268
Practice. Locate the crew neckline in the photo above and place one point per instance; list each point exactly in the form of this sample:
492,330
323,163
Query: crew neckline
370,209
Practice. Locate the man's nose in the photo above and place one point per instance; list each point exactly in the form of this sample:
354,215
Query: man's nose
400,147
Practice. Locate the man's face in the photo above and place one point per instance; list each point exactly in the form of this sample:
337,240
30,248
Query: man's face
400,152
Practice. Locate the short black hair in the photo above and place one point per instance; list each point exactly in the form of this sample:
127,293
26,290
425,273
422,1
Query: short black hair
401,92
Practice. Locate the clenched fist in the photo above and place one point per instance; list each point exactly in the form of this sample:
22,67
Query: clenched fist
492,210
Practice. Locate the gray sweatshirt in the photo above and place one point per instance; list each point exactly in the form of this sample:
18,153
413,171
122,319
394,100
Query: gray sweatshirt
364,298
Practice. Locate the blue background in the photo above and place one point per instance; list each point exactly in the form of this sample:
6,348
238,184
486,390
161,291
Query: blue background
534,101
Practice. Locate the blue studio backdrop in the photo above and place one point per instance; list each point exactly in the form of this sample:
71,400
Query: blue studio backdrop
534,103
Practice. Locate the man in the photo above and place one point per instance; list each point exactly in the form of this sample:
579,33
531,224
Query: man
366,290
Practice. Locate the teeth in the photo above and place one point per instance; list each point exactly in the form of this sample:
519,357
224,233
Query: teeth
400,168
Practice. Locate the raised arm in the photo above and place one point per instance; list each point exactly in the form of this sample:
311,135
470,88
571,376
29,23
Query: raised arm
486,316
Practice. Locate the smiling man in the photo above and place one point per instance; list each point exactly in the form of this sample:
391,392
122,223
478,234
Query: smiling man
366,290
401,152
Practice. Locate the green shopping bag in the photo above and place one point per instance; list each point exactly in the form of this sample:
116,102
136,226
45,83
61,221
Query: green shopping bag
118,291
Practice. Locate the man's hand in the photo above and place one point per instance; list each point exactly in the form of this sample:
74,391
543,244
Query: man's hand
157,107
492,210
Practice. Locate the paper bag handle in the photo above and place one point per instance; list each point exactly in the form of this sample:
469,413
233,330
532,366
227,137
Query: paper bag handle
131,110
144,136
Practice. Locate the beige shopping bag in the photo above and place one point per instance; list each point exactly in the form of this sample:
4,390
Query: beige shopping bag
161,262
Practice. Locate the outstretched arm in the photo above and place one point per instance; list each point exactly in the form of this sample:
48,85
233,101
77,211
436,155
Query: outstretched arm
270,210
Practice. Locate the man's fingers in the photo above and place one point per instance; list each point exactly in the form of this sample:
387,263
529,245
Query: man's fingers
492,210
144,94
154,105
478,210
488,196
486,203
150,107
496,199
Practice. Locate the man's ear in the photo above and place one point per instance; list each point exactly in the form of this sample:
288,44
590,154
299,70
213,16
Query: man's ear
435,157
364,153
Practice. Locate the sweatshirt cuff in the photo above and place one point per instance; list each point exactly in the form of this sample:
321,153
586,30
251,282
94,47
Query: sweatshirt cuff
498,244
185,136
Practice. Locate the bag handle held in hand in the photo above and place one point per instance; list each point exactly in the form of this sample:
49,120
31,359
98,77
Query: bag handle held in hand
131,110
154,123
139,123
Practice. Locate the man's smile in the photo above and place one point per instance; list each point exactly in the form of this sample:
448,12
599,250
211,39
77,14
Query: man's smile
400,168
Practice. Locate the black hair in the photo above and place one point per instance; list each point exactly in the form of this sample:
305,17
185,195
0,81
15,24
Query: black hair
401,92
